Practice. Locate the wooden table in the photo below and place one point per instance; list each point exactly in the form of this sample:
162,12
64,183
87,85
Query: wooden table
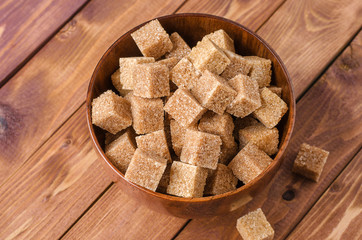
51,183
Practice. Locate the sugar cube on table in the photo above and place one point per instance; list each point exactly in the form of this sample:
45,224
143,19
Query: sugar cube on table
201,149
272,108
180,48
184,74
126,68
310,161
248,97
237,66
151,80
154,142
186,180
220,181
207,56
147,114
249,163
152,40
264,138
170,63
213,92
276,90
222,40
184,108
121,150
255,226
111,112
260,70
178,135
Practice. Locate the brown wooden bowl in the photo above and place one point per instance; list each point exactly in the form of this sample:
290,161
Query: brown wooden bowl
192,27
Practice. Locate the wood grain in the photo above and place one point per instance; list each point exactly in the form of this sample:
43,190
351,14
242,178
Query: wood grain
328,116
308,34
25,25
53,84
338,213
251,14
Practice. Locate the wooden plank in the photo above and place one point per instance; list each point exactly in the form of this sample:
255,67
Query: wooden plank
308,34
329,116
26,25
338,213
251,14
53,84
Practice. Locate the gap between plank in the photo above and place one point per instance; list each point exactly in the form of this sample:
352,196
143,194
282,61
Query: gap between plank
41,45
181,229
266,20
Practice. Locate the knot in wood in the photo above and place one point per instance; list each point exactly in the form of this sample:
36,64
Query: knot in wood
288,195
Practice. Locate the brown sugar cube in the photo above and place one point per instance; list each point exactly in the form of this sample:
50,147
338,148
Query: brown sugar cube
167,128
178,135
272,108
248,97
249,163
228,151
121,150
201,149
184,108
207,56
260,70
165,180
241,123
126,66
154,142
310,161
264,138
187,180
221,180
115,77
222,40
184,74
145,169
180,48
151,80
237,66
148,114
276,90
255,226
111,112
170,63
109,137
152,40
213,92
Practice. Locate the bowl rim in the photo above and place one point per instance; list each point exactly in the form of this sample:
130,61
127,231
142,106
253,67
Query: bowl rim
277,159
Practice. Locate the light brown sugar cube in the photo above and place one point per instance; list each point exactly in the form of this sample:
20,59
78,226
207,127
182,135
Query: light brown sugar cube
148,114
178,135
145,169
260,70
151,80
264,138
165,180
248,97
207,56
109,137
154,142
237,66
187,180
241,123
255,226
228,151
170,63
184,74
249,163
272,108
184,108
201,149
115,77
152,40
111,112
121,150
222,40
180,48
310,161
126,66
276,90
213,92
220,181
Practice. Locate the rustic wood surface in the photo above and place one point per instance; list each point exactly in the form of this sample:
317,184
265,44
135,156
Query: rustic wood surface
51,184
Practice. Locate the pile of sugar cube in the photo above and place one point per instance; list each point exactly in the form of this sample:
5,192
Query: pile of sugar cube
190,122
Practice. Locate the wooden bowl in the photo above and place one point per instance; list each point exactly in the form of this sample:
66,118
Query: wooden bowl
192,27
